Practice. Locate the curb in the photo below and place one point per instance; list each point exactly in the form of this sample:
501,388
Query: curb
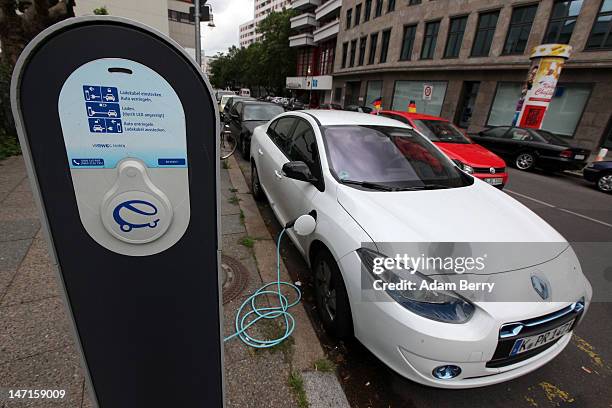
322,389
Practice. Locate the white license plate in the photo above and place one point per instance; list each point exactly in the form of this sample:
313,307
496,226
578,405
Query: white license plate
579,157
494,181
529,343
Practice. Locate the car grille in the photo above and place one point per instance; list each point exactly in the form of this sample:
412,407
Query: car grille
488,170
511,332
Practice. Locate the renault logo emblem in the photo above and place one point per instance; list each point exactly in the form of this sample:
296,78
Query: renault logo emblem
492,170
540,286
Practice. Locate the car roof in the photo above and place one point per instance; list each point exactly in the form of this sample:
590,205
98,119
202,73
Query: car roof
340,117
255,102
410,115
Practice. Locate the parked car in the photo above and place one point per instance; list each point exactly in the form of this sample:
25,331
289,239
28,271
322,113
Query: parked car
470,157
531,148
600,173
246,116
230,102
372,180
330,106
244,92
358,108
295,104
220,93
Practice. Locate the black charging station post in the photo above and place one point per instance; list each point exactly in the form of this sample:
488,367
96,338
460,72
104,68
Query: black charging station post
119,132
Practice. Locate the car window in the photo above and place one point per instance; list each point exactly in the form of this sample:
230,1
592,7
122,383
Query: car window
495,132
304,147
440,131
521,135
280,133
239,108
261,111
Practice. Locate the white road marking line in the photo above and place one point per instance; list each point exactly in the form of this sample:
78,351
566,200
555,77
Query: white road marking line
559,208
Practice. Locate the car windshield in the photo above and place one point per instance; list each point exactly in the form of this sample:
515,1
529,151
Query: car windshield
261,112
440,131
548,137
389,157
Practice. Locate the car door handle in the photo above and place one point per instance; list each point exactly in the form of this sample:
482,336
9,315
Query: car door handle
278,174
260,152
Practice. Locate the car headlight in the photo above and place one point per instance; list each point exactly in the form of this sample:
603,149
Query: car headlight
442,306
468,169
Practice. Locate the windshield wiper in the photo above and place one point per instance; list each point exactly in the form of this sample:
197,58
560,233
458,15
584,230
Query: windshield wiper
370,185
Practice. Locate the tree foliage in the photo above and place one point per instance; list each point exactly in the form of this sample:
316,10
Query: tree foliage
20,21
265,63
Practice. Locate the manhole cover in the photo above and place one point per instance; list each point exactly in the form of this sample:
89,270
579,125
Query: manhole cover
234,278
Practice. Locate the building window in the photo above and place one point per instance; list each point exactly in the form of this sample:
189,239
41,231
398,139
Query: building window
326,57
368,10
349,15
373,92
344,51
337,94
520,27
562,21
390,6
357,14
562,116
600,37
408,42
379,7
455,36
429,40
362,50
487,22
179,16
352,55
373,41
304,61
407,91
384,46
414,2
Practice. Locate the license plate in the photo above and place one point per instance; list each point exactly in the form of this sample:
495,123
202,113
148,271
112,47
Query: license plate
493,181
529,343
579,157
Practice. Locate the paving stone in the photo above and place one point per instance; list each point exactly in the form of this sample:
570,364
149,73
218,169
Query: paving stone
19,199
17,213
8,181
24,185
323,390
35,278
12,230
57,369
231,224
32,328
11,255
231,248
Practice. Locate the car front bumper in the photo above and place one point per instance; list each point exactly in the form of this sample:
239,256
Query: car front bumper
414,346
502,176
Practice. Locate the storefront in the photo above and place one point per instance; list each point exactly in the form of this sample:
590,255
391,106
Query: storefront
311,90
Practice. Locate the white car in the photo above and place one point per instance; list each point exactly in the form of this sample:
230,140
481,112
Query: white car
370,182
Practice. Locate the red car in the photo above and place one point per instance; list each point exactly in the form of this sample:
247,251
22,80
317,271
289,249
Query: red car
472,158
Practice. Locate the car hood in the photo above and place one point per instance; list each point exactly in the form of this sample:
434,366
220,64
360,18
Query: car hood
477,215
471,154
250,125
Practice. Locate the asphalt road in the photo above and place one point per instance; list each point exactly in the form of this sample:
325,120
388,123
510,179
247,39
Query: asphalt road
578,377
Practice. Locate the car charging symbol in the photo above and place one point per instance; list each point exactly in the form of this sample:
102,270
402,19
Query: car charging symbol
137,210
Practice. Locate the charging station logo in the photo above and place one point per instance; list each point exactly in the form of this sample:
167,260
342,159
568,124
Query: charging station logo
135,214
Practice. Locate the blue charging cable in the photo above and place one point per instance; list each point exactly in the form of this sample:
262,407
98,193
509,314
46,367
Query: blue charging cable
245,318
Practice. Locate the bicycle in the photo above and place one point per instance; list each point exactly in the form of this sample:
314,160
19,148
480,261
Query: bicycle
228,143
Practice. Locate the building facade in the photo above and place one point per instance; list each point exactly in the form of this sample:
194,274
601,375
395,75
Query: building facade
472,56
317,26
247,31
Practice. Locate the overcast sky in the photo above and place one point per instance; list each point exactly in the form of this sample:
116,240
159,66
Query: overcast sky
228,15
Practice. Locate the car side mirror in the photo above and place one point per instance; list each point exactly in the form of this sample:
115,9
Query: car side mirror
298,170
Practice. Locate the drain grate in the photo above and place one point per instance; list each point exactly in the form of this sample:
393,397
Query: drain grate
234,276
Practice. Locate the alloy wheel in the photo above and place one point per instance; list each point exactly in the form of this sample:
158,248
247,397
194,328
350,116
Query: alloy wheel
524,161
605,183
323,280
255,186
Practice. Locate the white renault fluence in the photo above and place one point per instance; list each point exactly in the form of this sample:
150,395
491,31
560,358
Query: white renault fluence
375,185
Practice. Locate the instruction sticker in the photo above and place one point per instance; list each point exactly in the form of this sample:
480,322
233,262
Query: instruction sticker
115,108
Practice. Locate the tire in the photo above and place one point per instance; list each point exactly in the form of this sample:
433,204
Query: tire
256,189
331,297
525,161
604,183
244,148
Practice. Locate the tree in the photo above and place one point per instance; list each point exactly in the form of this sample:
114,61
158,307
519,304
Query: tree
20,21
100,11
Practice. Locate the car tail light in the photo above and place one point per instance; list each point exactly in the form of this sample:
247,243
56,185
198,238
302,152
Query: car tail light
566,153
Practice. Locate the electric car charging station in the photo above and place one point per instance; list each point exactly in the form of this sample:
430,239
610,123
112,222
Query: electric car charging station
119,132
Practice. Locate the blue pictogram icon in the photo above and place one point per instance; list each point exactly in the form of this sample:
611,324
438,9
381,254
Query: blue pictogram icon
113,126
97,125
92,93
139,211
103,110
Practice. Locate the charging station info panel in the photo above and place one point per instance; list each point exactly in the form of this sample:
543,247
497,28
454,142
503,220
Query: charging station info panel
125,136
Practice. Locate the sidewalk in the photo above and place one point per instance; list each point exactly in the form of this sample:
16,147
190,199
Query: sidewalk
37,349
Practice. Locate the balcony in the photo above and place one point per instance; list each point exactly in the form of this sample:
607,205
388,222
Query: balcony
328,9
305,4
303,21
301,40
329,30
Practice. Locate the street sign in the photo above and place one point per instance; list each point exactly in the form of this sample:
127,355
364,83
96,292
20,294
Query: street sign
204,12
121,149
427,92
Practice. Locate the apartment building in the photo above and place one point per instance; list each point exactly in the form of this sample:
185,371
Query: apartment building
317,26
474,55
247,31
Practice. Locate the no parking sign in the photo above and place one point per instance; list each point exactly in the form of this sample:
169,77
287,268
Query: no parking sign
427,92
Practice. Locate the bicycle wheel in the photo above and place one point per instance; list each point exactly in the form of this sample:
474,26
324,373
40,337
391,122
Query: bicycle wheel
228,144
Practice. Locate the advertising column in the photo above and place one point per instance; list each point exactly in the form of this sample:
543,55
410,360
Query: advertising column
539,89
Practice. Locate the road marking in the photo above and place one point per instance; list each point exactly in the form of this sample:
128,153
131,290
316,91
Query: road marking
559,208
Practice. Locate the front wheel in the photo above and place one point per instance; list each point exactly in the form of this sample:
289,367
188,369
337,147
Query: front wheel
604,183
525,161
331,297
256,190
